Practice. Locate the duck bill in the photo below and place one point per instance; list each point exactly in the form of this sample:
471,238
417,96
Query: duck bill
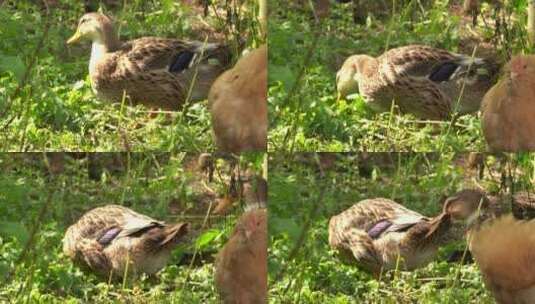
74,37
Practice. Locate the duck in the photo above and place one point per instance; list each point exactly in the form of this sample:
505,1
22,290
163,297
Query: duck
508,108
238,105
157,72
503,250
428,82
114,240
241,265
373,233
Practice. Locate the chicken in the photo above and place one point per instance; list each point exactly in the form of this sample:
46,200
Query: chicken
238,105
241,266
504,251
508,108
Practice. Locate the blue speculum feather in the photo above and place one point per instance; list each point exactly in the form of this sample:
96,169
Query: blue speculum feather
107,237
378,228
443,72
181,61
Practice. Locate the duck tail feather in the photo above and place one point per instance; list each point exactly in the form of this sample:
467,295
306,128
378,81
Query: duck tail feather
174,233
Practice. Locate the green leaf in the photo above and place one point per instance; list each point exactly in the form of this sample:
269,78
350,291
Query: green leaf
283,74
13,229
12,64
3,269
285,225
206,238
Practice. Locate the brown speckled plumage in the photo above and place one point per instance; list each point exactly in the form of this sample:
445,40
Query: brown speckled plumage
421,80
145,68
412,236
106,238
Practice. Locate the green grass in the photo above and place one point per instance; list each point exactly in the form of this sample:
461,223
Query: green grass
33,268
52,108
314,274
304,112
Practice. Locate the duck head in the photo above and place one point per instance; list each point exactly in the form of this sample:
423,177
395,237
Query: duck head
349,75
95,27
469,206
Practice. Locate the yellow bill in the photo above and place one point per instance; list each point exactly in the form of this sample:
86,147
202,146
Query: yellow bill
74,37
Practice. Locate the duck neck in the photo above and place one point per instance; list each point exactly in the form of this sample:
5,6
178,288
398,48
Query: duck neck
109,39
98,50
108,43
433,232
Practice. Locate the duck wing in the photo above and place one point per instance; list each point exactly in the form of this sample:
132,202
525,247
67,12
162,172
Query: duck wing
135,226
436,65
172,55
402,220
424,61
354,245
405,222
373,217
104,224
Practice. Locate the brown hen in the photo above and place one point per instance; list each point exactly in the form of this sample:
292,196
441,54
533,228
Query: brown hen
241,266
508,108
238,104
503,250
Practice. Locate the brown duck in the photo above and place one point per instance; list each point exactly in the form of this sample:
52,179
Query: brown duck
107,239
375,232
157,72
427,82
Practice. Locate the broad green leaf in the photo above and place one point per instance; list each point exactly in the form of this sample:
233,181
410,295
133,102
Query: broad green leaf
206,238
12,229
3,269
285,225
283,74
12,64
